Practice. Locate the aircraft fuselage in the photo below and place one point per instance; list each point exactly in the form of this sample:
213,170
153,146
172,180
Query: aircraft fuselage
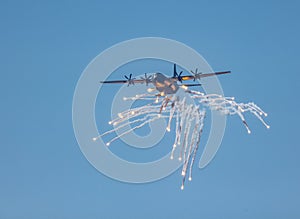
164,84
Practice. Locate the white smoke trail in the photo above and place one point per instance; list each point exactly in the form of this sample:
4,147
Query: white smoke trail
189,120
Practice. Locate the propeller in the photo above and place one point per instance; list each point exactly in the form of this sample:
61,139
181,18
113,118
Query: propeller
129,79
197,75
176,75
147,79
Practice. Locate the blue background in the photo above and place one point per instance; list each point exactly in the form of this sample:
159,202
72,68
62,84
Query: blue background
45,46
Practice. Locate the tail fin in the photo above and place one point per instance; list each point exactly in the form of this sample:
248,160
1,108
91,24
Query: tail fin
175,71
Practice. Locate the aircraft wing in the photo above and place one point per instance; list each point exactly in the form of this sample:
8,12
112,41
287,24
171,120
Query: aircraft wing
129,80
199,76
123,81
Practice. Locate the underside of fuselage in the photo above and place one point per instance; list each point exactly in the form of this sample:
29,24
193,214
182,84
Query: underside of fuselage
164,84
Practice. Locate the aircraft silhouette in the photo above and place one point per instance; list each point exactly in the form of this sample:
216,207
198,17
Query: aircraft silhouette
166,85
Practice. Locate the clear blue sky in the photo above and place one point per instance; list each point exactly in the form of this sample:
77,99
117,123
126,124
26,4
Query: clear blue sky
46,45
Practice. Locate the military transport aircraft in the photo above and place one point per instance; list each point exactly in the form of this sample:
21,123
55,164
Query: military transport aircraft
166,85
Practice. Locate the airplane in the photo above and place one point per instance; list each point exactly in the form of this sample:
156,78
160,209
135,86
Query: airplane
166,85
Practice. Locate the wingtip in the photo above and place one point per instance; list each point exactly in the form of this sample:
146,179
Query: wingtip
222,72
